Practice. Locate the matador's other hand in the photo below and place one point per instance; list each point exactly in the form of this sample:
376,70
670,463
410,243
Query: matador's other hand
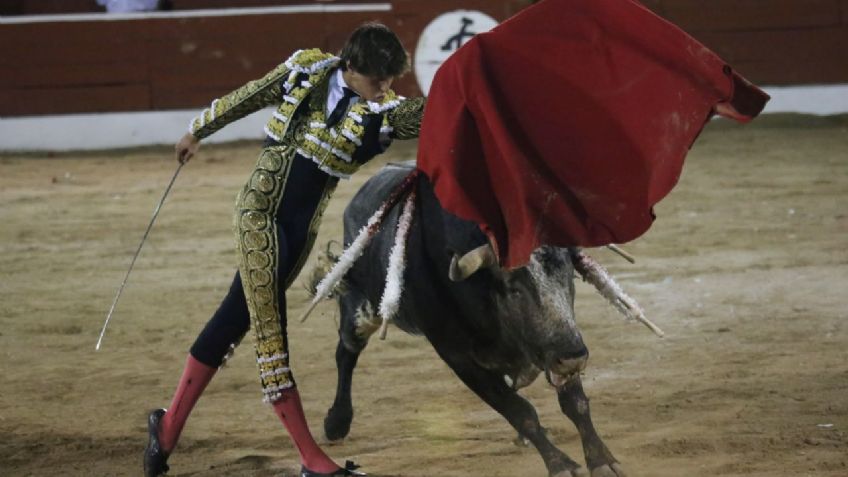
187,147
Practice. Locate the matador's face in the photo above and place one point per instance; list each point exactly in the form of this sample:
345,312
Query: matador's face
370,88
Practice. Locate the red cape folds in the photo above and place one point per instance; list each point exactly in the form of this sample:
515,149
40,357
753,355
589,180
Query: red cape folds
567,123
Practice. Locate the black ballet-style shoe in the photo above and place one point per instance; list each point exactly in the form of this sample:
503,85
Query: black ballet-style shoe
155,459
349,469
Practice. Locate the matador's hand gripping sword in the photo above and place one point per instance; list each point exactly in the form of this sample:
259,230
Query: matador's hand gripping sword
143,239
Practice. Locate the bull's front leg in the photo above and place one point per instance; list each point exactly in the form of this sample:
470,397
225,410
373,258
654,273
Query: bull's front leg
353,337
492,389
340,415
575,405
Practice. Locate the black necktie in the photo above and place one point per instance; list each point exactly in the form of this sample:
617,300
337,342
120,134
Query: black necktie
340,108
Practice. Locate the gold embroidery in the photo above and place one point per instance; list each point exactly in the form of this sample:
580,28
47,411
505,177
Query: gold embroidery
303,77
257,241
258,246
251,97
331,148
266,91
406,118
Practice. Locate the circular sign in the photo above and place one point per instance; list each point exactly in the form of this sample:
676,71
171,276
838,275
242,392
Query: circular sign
442,37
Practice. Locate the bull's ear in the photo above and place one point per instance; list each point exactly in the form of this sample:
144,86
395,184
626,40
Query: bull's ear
467,265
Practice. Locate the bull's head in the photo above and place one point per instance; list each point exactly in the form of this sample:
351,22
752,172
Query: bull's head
535,303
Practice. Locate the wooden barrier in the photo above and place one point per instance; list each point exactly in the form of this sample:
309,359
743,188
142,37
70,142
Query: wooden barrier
179,60
778,42
41,7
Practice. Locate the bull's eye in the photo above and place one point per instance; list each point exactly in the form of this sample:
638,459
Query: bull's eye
520,282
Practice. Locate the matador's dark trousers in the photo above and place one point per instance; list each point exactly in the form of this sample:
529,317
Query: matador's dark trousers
276,221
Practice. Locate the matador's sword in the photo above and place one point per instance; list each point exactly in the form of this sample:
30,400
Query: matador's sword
143,239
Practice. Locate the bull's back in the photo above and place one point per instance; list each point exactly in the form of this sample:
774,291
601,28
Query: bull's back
371,196
428,296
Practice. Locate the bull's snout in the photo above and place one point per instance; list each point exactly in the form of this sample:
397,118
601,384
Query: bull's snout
565,367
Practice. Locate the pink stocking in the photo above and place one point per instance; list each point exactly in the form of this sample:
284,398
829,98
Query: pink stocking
290,410
196,376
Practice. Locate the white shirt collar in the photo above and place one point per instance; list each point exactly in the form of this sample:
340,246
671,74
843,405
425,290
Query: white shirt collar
337,85
339,78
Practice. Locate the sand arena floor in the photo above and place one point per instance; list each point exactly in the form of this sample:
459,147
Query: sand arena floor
746,269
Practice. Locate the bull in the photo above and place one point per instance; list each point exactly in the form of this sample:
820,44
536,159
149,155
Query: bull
498,330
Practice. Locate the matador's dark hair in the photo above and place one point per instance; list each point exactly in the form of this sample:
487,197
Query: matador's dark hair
374,50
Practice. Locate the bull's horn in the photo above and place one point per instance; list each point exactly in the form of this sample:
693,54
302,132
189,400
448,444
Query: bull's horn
471,262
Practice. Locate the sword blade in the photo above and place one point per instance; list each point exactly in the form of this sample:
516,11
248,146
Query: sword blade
137,252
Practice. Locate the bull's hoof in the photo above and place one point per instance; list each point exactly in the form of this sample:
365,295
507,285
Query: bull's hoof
337,424
611,470
576,472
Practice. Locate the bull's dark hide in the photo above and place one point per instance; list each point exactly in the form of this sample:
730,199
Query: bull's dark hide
497,330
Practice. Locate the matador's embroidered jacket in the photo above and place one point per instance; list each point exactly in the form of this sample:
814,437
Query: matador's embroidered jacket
338,150
296,131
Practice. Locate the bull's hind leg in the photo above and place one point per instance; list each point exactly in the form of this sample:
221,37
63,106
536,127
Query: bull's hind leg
354,330
492,389
575,405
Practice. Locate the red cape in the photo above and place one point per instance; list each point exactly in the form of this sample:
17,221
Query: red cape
567,123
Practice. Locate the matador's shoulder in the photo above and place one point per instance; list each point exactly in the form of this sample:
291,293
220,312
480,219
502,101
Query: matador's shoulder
310,61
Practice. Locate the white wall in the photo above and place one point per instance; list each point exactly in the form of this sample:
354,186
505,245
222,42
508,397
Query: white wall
114,130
